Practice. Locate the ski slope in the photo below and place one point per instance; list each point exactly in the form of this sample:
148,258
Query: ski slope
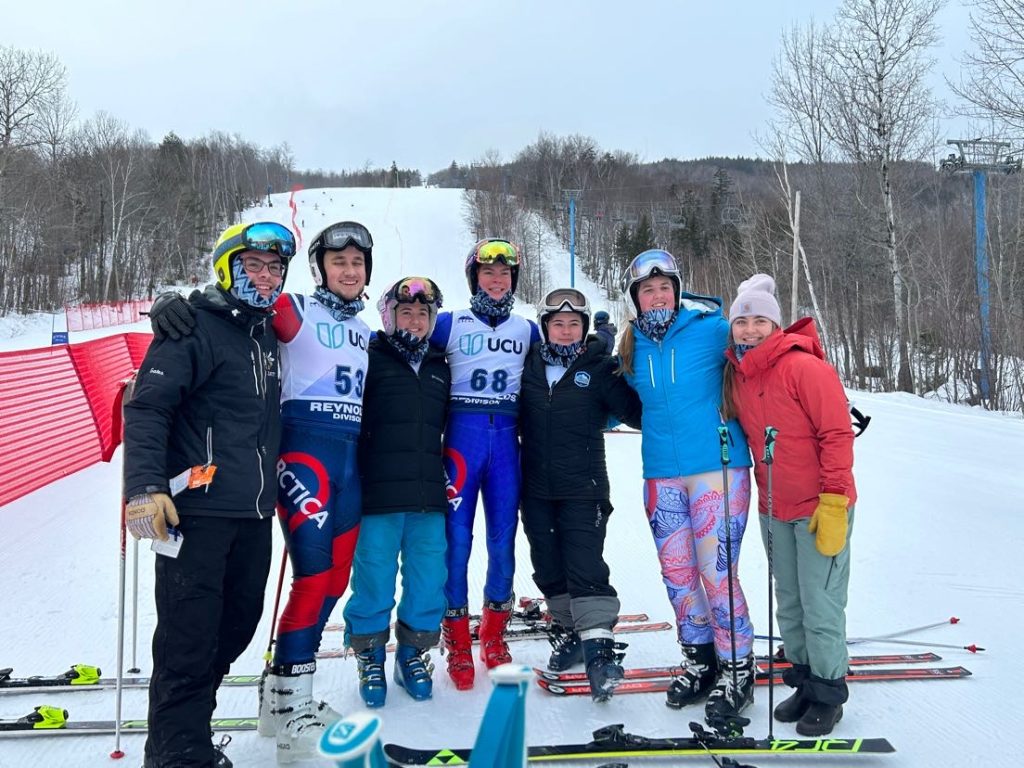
938,533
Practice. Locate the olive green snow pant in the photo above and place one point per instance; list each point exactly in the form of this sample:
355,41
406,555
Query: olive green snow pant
810,597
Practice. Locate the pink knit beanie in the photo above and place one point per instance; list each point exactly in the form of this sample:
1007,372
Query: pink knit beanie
756,298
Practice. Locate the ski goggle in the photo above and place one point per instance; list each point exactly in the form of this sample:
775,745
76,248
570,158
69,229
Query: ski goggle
254,265
337,237
421,289
648,263
495,251
263,236
566,299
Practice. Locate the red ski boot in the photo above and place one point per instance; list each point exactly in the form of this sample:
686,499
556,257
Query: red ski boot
458,646
493,648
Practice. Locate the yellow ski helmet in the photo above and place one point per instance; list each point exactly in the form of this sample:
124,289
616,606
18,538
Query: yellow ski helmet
267,236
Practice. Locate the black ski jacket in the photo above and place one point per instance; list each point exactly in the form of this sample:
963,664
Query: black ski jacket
210,397
404,414
562,428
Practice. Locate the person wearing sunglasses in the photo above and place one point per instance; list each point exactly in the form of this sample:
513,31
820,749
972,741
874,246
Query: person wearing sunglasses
324,364
404,501
486,346
569,392
673,355
201,434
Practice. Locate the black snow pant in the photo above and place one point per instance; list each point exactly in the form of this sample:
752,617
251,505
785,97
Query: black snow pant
567,551
208,603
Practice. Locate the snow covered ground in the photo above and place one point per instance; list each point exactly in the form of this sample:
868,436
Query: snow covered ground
936,536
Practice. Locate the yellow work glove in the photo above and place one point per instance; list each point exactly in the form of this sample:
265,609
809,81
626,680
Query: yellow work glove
148,514
829,523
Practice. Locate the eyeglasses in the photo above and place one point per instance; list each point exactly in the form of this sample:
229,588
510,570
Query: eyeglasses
421,289
254,265
562,299
269,237
339,236
494,251
648,263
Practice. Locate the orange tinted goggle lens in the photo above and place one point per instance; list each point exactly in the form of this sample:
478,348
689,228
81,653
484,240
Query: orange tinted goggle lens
421,289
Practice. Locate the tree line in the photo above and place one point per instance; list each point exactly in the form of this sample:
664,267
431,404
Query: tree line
95,211
885,257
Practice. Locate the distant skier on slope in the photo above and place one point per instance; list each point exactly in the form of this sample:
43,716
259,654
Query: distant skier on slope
780,378
486,346
569,391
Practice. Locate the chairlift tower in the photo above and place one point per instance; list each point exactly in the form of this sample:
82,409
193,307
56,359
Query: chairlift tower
572,194
979,157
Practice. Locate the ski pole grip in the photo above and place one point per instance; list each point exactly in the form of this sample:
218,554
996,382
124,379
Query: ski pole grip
769,444
723,443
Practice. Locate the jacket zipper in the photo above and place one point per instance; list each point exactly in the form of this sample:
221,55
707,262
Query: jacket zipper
259,374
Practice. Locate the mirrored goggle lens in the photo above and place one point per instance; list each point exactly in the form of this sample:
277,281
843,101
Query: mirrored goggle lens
254,265
421,289
343,235
564,298
266,236
645,264
494,251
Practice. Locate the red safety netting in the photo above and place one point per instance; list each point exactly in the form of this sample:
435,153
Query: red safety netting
85,317
55,408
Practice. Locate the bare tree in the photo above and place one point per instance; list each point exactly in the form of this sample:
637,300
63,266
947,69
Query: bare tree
993,81
881,111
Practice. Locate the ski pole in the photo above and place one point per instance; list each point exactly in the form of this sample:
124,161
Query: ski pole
723,442
135,606
972,648
123,392
897,633
768,460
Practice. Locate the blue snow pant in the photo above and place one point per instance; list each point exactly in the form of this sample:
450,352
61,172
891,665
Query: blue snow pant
419,538
318,505
810,592
481,453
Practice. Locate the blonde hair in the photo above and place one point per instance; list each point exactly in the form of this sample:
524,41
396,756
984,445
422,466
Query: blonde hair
627,343
728,401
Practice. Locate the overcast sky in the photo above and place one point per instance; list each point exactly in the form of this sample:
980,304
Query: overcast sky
423,82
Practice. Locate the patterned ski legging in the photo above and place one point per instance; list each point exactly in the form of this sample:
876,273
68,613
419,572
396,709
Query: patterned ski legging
687,519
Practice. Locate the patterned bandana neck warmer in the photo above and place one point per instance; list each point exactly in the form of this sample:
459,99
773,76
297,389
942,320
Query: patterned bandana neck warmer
741,349
340,309
243,289
561,354
411,348
484,305
654,323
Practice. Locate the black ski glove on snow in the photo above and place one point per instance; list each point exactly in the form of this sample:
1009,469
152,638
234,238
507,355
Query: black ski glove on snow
171,316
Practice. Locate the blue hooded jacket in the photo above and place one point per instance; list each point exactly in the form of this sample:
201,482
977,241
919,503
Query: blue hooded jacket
680,385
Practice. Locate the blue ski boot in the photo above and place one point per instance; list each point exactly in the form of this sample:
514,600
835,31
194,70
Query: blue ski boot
373,684
413,670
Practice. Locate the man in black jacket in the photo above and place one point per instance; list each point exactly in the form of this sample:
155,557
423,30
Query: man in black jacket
404,496
569,391
203,426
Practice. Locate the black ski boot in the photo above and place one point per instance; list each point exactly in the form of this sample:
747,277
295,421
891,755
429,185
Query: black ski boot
733,692
566,648
604,670
825,707
696,676
793,708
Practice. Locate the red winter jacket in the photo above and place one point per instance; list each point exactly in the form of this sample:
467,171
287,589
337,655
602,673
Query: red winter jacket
785,382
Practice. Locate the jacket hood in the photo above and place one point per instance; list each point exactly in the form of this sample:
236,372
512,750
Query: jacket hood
801,335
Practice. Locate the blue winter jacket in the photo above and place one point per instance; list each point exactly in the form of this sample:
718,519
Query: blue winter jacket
680,385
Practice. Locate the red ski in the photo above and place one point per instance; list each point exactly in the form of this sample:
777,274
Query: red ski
863,675
640,673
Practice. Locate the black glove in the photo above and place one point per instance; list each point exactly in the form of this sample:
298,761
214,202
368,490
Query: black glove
171,316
